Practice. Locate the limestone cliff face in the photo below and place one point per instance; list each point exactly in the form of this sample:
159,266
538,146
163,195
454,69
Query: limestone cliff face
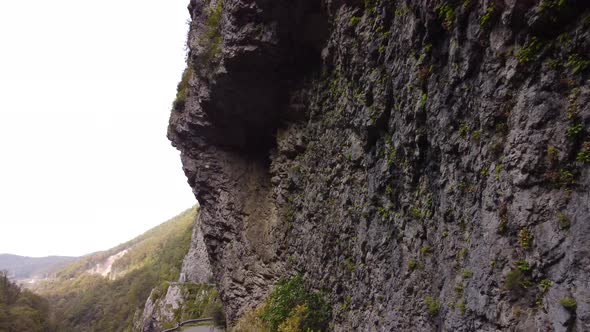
425,164
195,265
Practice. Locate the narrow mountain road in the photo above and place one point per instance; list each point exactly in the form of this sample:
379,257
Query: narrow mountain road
191,326
209,328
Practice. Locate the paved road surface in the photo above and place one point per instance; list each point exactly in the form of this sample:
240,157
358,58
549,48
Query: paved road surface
201,329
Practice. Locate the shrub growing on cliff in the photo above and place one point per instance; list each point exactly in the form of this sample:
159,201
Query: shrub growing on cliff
462,306
569,303
552,154
529,52
463,129
486,20
513,280
552,10
200,301
564,222
211,38
412,265
566,177
574,130
544,286
524,239
549,5
446,14
522,265
584,154
517,280
295,318
281,307
182,90
577,63
432,306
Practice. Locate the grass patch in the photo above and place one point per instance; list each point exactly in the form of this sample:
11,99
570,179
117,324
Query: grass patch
463,129
211,38
544,286
564,221
568,303
514,280
467,274
182,90
524,239
523,266
432,305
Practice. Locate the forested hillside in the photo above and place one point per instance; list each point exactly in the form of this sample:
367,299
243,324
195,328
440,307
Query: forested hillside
21,310
82,301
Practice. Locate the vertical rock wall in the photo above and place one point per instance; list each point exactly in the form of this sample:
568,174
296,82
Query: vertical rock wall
423,163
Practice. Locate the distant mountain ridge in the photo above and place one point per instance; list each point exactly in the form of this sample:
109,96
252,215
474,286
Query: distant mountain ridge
22,268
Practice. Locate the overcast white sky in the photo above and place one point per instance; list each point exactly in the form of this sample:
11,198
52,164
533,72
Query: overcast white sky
85,94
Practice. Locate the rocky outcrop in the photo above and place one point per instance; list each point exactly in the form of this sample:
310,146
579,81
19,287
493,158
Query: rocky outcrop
423,163
104,268
158,312
195,265
192,293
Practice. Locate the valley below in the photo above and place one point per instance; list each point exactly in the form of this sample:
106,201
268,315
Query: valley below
132,287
